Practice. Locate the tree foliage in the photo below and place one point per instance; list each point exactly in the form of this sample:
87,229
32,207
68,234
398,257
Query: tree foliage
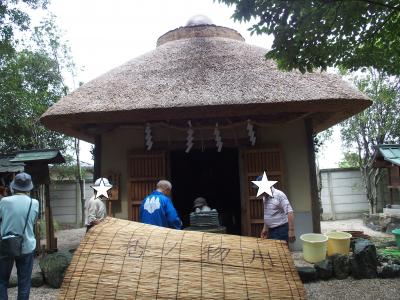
379,124
69,170
14,17
322,33
32,80
32,68
350,160
29,86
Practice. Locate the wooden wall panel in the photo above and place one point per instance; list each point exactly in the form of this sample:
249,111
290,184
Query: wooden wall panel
145,170
394,173
256,161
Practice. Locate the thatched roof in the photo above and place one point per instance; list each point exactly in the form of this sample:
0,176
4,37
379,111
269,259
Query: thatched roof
199,71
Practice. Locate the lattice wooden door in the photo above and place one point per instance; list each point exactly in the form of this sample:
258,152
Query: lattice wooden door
144,171
256,161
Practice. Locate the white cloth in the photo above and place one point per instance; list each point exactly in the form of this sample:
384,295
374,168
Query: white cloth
203,208
276,209
94,210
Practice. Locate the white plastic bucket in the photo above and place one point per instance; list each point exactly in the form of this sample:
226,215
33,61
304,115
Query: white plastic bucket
314,247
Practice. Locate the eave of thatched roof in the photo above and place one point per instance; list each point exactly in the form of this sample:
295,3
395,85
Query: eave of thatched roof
202,71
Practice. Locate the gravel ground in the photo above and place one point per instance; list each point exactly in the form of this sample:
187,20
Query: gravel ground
66,239
42,293
352,224
365,289
350,288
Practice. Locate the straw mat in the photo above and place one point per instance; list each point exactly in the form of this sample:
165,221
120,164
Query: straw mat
120,259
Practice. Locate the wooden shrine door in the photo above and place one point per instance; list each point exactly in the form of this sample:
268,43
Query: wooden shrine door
256,161
144,171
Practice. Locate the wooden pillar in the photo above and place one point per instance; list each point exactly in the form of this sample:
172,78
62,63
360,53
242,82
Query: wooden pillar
51,241
37,237
40,176
390,185
97,157
315,204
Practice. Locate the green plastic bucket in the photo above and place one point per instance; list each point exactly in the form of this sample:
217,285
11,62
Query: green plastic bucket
396,233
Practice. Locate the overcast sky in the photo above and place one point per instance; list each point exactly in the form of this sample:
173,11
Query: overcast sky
104,34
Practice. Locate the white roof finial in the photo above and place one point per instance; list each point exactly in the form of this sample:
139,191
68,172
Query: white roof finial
199,20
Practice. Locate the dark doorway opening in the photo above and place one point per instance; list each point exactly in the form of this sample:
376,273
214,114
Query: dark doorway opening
208,174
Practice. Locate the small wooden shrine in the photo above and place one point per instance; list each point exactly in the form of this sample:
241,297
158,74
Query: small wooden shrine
36,164
388,156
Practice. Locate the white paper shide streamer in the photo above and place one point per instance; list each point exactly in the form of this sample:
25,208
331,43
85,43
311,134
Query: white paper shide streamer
251,133
190,138
218,138
147,137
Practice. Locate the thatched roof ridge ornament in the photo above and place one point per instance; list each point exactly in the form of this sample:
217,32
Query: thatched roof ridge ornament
199,20
197,71
199,31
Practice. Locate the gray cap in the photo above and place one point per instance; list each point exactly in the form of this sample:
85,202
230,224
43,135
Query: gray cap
199,202
22,182
105,182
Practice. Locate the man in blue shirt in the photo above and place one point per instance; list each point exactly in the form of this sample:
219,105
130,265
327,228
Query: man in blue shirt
13,213
157,208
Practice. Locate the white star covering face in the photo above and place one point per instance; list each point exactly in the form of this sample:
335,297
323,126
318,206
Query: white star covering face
264,185
102,189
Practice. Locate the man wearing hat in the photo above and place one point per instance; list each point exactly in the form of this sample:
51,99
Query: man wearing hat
200,204
15,210
95,209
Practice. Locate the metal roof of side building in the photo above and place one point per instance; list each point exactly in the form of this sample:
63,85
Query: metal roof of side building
50,156
389,152
7,166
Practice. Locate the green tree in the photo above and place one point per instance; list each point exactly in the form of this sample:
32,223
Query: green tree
32,72
68,170
32,80
30,84
14,17
322,33
350,160
378,124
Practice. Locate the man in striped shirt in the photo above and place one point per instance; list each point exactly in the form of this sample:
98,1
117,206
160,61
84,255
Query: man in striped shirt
278,213
278,217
